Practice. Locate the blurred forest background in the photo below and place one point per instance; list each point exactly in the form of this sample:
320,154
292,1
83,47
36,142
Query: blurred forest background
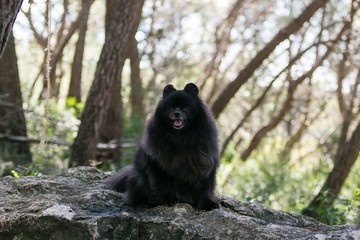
281,77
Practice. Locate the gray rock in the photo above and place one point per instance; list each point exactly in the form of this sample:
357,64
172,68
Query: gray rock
77,205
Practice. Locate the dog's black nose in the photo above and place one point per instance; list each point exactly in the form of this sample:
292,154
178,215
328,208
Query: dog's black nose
177,114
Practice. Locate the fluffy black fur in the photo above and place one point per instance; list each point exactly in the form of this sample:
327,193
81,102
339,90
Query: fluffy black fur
177,157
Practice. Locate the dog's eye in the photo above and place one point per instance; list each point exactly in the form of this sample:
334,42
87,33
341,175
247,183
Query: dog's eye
187,109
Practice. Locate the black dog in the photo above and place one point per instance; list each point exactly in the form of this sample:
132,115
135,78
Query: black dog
178,155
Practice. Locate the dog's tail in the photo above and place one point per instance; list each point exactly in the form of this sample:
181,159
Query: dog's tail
118,181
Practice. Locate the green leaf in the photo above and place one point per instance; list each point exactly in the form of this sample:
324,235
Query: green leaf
15,174
71,102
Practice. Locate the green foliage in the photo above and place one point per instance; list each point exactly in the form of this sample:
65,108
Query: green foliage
22,171
328,211
341,212
334,215
62,126
267,179
74,106
354,207
286,185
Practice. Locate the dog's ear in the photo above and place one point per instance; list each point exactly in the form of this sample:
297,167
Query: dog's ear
168,89
192,89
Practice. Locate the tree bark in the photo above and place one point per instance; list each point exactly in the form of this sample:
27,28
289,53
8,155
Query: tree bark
345,109
136,94
123,21
230,90
12,120
112,127
76,67
8,12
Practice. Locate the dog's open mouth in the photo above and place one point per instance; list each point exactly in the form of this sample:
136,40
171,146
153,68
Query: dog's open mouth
178,123
178,118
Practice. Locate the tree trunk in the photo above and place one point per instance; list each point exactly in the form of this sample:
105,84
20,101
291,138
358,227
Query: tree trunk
76,67
12,120
230,90
123,21
136,94
343,164
346,111
8,12
112,127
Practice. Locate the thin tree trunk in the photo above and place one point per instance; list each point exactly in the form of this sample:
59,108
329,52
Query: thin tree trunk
136,94
123,21
8,12
76,67
62,40
12,120
345,110
230,90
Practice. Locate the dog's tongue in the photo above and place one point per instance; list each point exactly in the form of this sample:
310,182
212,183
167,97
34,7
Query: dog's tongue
178,123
